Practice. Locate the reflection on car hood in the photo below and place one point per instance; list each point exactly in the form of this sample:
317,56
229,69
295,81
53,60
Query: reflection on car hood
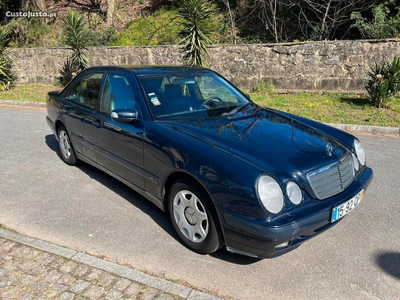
266,139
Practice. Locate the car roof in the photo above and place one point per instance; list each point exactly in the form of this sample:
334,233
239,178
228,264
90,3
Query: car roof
143,70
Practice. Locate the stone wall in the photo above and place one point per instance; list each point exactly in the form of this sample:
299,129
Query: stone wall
330,65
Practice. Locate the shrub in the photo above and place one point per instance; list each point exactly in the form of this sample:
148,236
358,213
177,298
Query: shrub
5,63
384,82
160,28
66,73
264,88
381,27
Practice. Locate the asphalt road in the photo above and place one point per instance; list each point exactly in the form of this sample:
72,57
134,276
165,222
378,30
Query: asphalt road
86,210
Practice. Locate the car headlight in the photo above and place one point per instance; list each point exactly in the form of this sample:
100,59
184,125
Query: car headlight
270,194
355,162
360,152
294,193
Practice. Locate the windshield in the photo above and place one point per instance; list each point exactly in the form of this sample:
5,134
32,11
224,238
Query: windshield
190,95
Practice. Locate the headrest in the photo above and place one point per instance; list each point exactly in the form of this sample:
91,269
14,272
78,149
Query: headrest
173,91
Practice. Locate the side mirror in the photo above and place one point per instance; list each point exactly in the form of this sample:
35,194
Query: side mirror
124,115
248,96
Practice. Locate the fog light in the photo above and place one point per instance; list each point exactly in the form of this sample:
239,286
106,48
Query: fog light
283,245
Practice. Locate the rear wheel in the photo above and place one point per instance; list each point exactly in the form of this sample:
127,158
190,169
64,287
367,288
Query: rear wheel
194,217
66,150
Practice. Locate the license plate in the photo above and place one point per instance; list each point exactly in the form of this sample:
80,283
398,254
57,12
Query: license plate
343,209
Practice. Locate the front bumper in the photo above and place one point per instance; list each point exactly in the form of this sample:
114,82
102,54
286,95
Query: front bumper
257,240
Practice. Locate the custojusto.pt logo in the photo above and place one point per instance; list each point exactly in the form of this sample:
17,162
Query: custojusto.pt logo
30,14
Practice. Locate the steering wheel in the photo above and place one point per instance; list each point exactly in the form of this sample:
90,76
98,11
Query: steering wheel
209,100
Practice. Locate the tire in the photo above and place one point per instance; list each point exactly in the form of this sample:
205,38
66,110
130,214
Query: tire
194,217
67,151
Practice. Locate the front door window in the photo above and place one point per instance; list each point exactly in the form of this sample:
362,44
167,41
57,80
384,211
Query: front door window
86,91
117,93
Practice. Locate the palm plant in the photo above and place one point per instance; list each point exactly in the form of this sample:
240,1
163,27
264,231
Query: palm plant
384,82
5,63
75,36
195,16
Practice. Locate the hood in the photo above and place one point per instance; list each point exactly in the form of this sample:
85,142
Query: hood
270,141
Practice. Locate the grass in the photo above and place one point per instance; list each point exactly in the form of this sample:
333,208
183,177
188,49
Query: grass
328,108
332,108
28,92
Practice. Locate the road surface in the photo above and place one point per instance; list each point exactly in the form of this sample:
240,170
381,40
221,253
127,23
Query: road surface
84,209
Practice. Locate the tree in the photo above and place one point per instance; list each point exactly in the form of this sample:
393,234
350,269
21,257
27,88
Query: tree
75,36
323,19
232,19
195,15
276,15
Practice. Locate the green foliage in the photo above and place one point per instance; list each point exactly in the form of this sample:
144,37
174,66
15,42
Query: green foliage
195,15
160,28
384,82
26,32
381,27
100,37
76,37
263,88
66,73
5,63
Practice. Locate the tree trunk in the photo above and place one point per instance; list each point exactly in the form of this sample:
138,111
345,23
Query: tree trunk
242,6
39,4
110,12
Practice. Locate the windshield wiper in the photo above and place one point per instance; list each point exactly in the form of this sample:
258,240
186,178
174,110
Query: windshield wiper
237,109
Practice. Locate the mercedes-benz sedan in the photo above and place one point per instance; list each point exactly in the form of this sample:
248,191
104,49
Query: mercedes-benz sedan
229,173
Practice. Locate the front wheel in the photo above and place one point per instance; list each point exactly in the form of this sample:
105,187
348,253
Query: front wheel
66,150
194,218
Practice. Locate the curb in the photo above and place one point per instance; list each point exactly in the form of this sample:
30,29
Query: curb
347,127
366,128
22,103
122,271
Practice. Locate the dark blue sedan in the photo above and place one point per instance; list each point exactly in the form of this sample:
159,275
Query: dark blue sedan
231,174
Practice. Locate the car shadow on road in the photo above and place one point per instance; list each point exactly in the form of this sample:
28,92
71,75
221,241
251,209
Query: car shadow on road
390,263
144,205
121,189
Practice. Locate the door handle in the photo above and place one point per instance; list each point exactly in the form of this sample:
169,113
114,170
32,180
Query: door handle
108,125
97,123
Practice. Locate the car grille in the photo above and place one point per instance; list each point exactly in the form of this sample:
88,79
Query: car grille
332,179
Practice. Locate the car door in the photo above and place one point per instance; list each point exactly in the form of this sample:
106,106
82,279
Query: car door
78,107
119,146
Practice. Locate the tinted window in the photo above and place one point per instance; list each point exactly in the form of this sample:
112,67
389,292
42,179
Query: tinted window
74,92
86,91
117,93
212,87
190,94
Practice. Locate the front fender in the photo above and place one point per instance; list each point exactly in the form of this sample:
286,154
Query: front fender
229,181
